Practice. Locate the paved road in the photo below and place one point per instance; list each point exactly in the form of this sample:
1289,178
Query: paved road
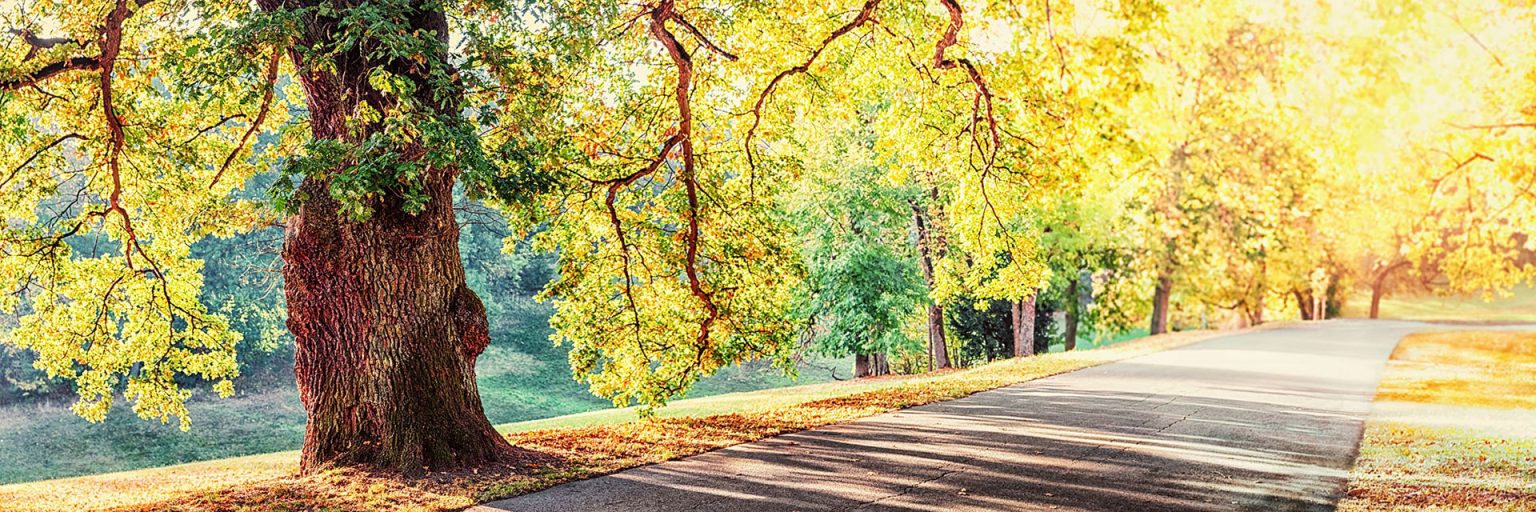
1266,420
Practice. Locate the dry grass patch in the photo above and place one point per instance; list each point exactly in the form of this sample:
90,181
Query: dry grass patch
561,455
1453,428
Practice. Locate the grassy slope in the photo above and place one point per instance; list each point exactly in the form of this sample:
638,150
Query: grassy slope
515,386
604,441
40,442
1520,306
1453,427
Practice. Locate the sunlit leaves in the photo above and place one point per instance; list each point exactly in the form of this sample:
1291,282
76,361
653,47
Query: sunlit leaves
119,315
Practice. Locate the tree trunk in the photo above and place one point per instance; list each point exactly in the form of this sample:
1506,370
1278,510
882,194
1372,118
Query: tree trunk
1304,304
1160,298
1024,327
1074,305
870,365
928,245
1017,325
1379,287
387,332
1258,309
938,347
1377,290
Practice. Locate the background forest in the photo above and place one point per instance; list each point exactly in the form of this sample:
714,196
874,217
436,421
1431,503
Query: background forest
1082,173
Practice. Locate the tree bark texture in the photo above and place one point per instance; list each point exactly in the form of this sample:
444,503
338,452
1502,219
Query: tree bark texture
938,347
870,365
1160,297
387,332
1024,327
1017,323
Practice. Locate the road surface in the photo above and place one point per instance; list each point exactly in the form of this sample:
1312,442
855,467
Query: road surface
1265,420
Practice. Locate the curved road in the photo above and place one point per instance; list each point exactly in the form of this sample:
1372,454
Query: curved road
1265,420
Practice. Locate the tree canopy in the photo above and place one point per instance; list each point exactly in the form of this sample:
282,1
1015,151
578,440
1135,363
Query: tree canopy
721,180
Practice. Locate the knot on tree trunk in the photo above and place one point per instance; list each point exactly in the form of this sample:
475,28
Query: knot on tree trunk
470,321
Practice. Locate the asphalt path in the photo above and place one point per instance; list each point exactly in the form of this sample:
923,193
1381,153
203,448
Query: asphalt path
1263,420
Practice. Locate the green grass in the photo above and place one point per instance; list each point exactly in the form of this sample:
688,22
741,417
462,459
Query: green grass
596,443
522,390
770,390
41,442
38,442
1519,306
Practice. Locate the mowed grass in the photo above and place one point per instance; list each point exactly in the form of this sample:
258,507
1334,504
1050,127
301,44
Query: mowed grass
1453,427
43,442
557,450
1519,306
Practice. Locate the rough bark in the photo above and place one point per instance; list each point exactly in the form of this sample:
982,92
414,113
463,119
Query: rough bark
1017,323
1074,308
387,332
1024,327
938,348
1160,297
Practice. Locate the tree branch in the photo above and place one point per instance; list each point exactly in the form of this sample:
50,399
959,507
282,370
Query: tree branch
261,115
684,64
866,14
38,43
114,23
48,71
700,36
35,155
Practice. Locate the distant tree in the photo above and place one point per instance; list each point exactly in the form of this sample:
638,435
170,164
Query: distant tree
862,281
985,329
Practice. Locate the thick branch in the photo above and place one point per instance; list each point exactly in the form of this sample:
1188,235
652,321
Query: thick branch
951,35
114,23
38,43
48,71
700,36
261,115
684,64
111,43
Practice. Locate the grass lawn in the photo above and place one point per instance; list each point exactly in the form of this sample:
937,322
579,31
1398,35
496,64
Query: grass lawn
39,442
1520,306
1453,427
561,449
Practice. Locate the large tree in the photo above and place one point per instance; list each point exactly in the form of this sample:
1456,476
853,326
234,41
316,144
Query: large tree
386,328
131,124
152,110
